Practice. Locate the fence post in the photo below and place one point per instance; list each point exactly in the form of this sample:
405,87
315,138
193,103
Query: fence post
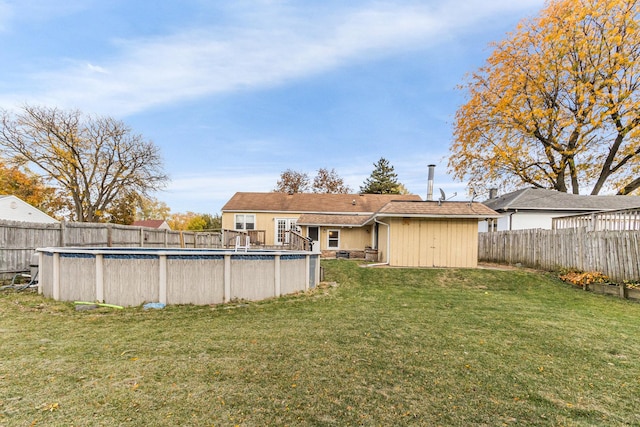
623,290
276,281
162,279
55,282
227,278
63,231
99,260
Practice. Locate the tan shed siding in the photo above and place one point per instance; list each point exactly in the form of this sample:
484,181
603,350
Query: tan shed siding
434,242
383,237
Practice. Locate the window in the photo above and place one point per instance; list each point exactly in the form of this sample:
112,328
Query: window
492,224
333,239
245,222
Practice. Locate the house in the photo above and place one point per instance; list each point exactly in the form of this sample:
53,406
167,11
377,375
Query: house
13,208
536,207
399,230
160,224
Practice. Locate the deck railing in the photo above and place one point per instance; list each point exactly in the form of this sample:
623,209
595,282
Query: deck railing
620,220
294,241
256,237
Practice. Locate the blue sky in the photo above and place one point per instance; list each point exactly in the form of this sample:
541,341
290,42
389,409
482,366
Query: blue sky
235,92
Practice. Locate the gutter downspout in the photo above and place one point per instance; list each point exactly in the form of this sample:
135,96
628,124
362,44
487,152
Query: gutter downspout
388,244
511,219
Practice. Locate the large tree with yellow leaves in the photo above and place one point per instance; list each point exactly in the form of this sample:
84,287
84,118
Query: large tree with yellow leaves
557,104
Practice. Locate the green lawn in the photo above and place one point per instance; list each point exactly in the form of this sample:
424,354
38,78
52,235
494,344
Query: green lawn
385,347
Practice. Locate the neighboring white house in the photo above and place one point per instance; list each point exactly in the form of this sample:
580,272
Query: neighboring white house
536,207
14,209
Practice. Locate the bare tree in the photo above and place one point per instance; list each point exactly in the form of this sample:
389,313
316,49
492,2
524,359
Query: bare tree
292,182
94,160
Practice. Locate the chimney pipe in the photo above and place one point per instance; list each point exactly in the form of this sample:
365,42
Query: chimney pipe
430,182
493,193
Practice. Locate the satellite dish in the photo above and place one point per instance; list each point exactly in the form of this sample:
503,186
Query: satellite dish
442,195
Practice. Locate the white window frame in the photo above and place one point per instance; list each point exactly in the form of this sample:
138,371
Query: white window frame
289,224
330,239
244,221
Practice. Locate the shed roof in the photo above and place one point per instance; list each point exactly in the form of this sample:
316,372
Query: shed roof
446,209
311,202
552,200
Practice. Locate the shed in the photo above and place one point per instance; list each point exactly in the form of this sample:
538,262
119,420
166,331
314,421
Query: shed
429,233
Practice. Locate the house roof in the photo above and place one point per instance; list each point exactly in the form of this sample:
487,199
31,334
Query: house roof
552,200
405,209
436,209
152,223
311,202
352,220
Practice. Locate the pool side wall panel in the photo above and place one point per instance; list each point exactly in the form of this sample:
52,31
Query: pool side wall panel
252,279
195,281
45,275
293,273
131,280
77,278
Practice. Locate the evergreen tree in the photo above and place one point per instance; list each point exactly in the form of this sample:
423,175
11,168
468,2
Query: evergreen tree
383,180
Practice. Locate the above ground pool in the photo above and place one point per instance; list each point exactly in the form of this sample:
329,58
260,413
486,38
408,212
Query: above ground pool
133,276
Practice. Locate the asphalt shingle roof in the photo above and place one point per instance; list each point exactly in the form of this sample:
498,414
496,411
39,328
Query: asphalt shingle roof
542,199
311,202
338,220
435,209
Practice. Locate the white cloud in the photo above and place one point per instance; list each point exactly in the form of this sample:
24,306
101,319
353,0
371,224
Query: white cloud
206,61
96,69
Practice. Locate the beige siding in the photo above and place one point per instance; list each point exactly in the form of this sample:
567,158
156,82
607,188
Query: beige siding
355,238
433,242
383,250
264,221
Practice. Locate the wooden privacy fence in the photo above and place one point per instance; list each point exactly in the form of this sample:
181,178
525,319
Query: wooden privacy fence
18,240
614,253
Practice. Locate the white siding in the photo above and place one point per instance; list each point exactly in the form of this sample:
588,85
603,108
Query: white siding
525,220
14,209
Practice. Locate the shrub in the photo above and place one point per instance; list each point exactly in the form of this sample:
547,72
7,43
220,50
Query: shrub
584,278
